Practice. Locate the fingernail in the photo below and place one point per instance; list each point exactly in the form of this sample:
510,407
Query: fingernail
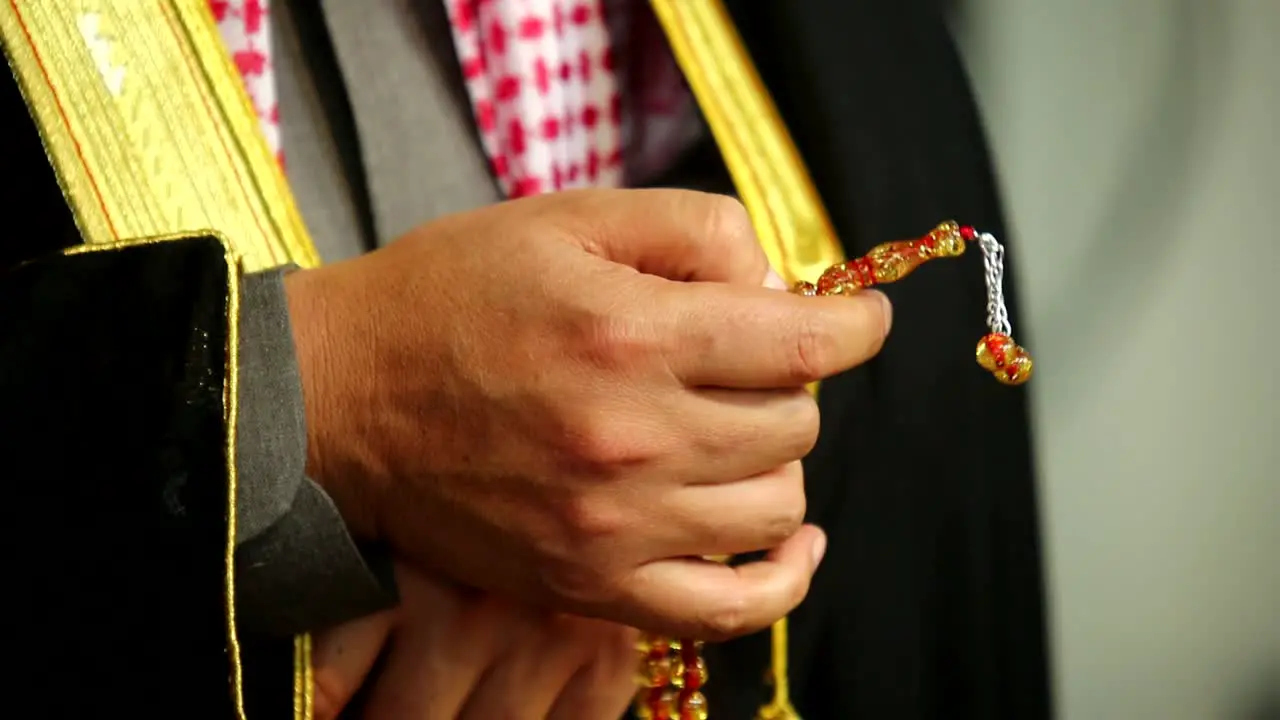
819,548
774,280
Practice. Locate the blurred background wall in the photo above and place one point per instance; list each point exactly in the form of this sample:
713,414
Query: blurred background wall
1138,143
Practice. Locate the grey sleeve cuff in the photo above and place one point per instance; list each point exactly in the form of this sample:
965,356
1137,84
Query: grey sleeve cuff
297,567
305,573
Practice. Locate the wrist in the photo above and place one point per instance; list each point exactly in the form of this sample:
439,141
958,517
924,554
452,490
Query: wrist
322,349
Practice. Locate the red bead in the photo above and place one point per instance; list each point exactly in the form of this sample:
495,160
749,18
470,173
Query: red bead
866,273
968,233
833,278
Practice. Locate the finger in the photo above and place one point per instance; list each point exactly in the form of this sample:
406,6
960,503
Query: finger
711,601
341,659
745,516
604,686
433,665
525,682
756,338
736,434
676,234
739,517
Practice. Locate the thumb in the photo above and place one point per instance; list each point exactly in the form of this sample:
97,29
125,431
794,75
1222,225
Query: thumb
679,235
341,659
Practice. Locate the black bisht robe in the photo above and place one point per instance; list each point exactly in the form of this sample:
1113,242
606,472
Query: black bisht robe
930,601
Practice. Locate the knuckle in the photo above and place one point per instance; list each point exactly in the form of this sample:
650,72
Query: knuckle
874,328
797,589
574,583
727,620
790,508
729,227
601,448
727,217
590,519
578,560
815,350
615,340
805,427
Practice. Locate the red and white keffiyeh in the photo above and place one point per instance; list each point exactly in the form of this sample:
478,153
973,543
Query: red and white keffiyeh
245,29
549,96
554,107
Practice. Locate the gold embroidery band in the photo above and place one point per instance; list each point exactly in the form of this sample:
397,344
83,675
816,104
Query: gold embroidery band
150,133
148,126
770,177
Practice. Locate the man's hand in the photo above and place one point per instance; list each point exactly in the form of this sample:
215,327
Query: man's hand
569,399
462,654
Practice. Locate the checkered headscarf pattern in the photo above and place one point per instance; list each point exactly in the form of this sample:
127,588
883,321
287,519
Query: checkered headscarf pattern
554,106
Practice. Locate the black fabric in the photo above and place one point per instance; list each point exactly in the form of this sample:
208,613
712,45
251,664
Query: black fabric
111,373
929,603
112,376
37,219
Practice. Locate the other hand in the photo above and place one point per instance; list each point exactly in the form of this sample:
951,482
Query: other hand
458,654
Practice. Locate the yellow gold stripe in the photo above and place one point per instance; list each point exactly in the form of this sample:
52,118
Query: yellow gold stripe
263,172
150,134
147,125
